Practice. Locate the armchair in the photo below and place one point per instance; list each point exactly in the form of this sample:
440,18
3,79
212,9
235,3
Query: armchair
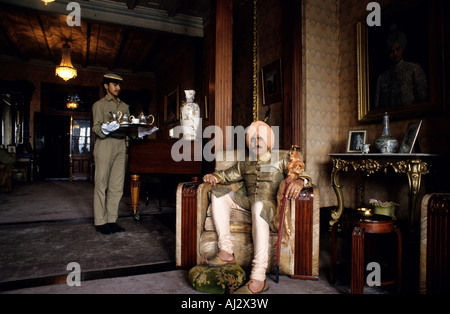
196,238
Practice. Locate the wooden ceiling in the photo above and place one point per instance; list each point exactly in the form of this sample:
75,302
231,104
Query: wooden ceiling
140,36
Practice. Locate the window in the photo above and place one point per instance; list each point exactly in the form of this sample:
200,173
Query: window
81,137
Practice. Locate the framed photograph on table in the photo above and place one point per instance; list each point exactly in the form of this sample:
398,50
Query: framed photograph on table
410,137
172,106
272,83
356,140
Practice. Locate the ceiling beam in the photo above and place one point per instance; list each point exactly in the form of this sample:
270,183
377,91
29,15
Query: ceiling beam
118,54
44,28
11,43
88,45
111,12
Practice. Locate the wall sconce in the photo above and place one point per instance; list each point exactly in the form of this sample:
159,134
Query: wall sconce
66,70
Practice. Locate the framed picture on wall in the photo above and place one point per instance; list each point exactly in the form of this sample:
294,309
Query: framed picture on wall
272,84
172,106
400,63
356,140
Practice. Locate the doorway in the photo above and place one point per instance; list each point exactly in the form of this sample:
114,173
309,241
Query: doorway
80,149
63,147
52,147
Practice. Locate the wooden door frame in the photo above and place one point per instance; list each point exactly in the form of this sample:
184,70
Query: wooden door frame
220,63
220,67
292,74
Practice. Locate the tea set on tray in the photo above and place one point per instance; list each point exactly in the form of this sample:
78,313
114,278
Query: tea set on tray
124,119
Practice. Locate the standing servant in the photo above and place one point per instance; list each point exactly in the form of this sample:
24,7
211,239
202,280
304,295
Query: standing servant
109,156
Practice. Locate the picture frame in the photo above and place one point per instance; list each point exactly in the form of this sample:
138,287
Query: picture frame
410,138
356,140
172,106
417,25
272,83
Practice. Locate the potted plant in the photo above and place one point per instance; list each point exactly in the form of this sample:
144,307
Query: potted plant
384,208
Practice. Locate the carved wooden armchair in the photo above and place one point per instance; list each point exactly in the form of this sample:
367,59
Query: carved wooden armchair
196,238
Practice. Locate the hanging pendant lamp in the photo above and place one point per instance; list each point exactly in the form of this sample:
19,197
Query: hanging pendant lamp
66,70
47,1
72,101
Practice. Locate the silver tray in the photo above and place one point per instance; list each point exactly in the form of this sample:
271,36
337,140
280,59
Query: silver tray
131,127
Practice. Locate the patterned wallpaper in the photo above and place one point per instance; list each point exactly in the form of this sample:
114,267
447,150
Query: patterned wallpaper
321,91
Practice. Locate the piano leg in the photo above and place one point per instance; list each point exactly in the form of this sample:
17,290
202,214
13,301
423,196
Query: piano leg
135,186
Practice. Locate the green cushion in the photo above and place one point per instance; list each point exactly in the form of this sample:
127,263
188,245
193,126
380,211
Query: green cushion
217,280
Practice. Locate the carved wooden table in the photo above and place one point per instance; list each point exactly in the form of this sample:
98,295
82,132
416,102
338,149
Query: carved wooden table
413,165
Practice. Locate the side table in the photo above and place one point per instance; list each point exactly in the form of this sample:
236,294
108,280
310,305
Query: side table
359,225
413,165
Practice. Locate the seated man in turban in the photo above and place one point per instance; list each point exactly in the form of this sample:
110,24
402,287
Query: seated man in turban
262,173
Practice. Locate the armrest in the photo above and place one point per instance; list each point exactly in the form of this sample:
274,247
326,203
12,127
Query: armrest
192,204
306,193
306,210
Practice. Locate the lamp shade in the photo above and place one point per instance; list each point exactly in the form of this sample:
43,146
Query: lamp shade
66,70
47,1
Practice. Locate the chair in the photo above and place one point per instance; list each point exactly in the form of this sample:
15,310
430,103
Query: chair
196,238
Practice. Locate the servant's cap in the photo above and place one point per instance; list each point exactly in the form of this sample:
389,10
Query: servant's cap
110,77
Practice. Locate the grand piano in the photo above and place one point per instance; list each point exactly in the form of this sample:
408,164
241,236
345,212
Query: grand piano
155,157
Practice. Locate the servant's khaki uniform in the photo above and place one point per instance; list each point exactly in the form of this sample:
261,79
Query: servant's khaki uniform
110,162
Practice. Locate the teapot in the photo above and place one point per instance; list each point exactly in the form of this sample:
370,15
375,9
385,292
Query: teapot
145,119
116,116
125,119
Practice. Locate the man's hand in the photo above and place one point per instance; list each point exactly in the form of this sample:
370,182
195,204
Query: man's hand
294,189
209,178
109,127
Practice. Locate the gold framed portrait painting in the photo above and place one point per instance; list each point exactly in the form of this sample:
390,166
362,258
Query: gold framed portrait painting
400,63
